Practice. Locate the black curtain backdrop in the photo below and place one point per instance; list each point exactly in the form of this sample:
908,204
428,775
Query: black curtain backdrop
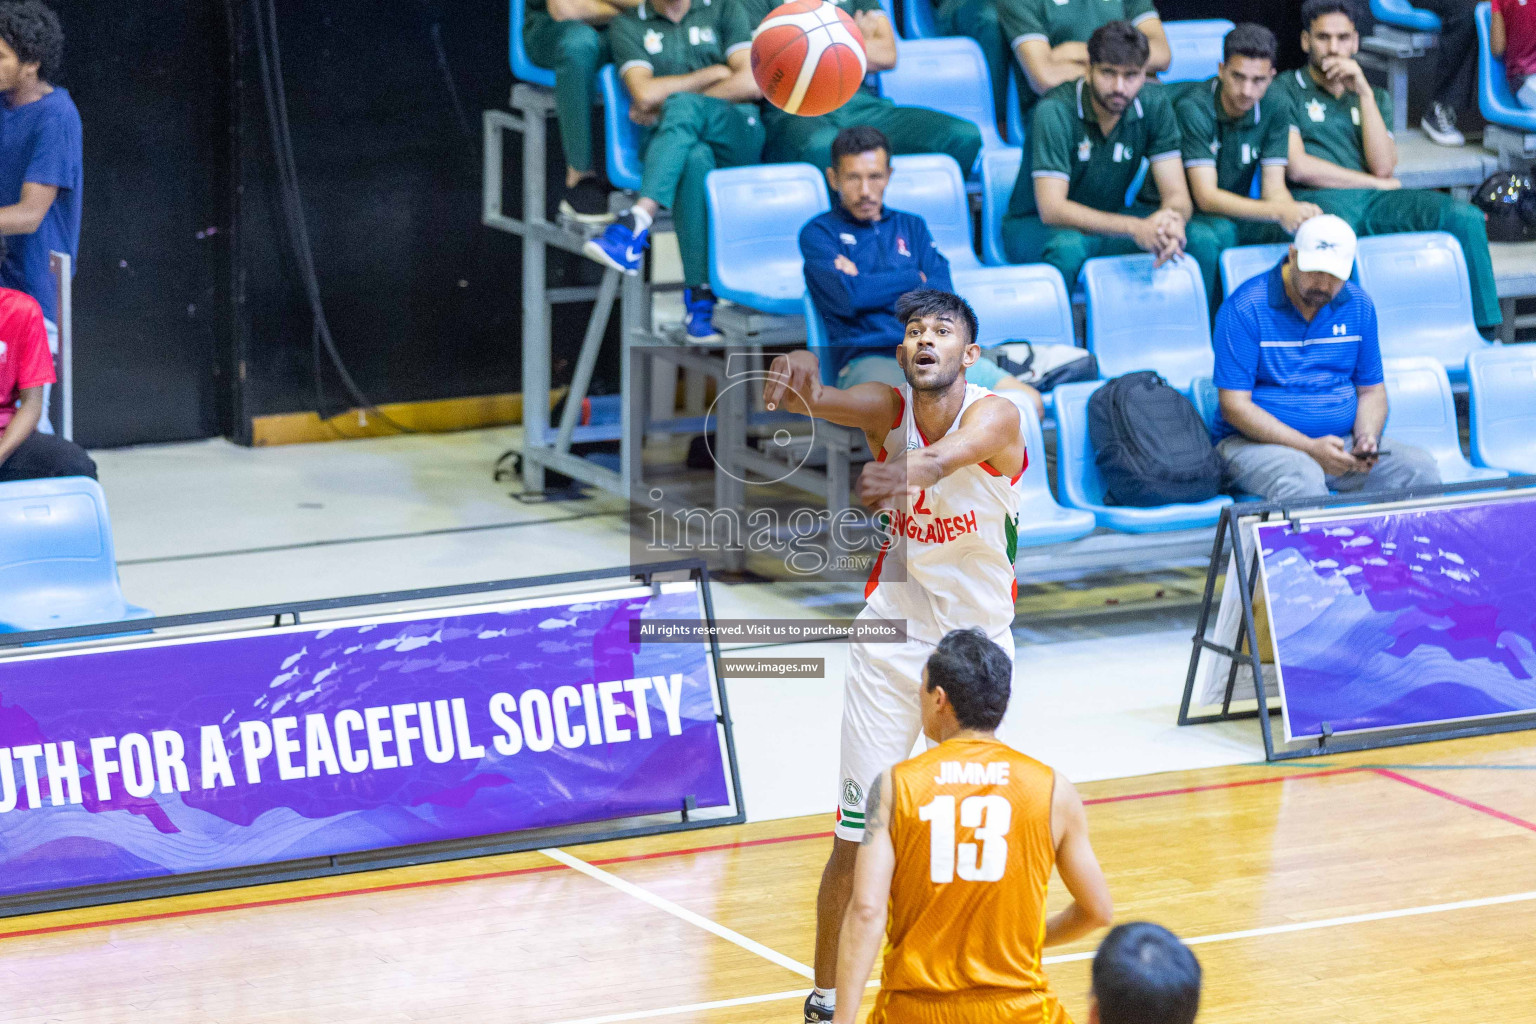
189,315
150,292
1283,18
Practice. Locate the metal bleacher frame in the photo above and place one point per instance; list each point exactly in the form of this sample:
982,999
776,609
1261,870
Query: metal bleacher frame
1390,47
547,446
62,268
531,108
644,409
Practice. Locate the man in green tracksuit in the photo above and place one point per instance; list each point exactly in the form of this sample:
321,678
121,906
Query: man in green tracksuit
809,139
1087,141
568,38
1343,155
672,61
1230,132
1049,38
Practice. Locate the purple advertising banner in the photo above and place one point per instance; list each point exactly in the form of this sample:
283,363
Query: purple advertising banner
168,757
1403,618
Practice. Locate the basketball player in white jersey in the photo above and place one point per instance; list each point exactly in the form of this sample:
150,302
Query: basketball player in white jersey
948,460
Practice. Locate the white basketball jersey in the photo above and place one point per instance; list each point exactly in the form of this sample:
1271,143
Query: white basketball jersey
947,558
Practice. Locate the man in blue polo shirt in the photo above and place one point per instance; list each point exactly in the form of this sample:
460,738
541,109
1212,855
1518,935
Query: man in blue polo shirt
862,256
1298,372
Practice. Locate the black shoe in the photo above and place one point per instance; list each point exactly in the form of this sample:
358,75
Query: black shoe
586,202
1439,123
814,1013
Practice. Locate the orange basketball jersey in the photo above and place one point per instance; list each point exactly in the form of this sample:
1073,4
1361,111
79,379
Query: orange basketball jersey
971,824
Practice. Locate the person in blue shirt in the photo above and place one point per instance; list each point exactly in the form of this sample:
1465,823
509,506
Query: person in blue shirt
41,167
1303,398
862,256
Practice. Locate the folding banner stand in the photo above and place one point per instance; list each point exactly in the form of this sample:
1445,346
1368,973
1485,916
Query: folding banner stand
1244,564
440,599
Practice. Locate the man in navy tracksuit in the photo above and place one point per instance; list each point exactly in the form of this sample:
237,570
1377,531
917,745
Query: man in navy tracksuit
861,256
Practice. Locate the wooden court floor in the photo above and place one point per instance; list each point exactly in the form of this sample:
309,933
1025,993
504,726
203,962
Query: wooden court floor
1395,886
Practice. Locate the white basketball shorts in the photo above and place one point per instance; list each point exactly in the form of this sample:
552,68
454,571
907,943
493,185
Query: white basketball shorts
881,721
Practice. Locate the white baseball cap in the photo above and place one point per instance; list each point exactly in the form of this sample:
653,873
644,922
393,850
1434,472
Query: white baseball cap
1326,243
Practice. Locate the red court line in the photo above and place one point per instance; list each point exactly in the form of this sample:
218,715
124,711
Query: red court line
1453,798
1222,785
283,901
488,875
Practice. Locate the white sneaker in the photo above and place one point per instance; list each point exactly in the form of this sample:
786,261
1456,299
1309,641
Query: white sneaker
1440,125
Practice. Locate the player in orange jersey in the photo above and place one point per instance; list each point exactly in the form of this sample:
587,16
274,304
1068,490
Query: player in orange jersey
959,845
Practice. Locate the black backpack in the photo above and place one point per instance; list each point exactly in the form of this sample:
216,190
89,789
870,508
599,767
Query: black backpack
1151,445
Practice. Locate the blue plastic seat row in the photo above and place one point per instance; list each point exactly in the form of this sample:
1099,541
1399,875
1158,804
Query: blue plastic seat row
57,563
1502,394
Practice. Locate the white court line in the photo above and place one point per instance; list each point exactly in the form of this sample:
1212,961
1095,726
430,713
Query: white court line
651,898
1199,940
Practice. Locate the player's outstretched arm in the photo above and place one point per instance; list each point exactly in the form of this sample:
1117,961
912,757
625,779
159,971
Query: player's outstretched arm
794,384
864,922
1091,906
989,432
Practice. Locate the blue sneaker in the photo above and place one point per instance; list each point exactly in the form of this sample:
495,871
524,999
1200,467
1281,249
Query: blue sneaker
699,316
619,247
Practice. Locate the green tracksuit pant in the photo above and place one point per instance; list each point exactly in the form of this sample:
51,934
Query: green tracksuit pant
1373,212
574,51
695,135
909,129
1031,240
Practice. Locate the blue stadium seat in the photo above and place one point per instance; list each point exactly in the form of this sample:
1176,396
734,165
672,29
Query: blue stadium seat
1241,262
621,136
1494,99
1402,14
1418,281
1080,486
1422,412
755,217
930,185
523,69
1026,302
1022,302
816,338
1202,392
999,173
1141,318
917,21
1502,384
1041,519
1015,116
57,565
1195,46
948,74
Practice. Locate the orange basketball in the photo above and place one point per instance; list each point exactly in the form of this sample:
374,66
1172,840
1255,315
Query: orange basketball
808,57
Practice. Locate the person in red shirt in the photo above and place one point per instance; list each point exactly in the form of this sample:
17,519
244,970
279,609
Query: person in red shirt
25,367
1512,35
